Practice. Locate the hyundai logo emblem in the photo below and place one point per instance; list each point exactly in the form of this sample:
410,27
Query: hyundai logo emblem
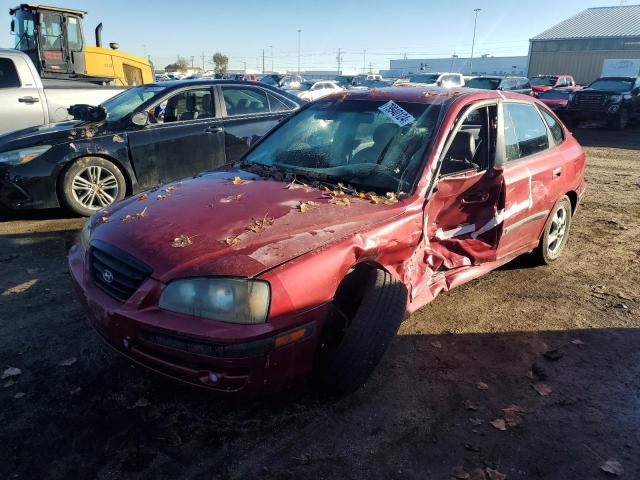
107,276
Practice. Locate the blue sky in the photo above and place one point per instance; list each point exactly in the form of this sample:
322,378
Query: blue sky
386,29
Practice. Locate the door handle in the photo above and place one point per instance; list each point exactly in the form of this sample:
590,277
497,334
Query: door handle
28,100
557,172
475,198
213,129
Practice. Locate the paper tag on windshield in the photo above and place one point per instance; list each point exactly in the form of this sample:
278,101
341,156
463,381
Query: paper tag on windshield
396,113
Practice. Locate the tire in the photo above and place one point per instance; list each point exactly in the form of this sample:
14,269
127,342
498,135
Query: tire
621,121
365,340
80,181
551,247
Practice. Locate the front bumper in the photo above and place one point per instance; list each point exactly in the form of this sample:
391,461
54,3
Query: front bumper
23,188
223,358
606,113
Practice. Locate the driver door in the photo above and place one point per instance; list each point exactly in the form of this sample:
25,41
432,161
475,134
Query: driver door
462,215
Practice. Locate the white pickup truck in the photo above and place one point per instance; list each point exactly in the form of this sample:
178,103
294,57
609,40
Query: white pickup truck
29,101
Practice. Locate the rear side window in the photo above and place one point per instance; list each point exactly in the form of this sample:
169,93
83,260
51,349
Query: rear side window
524,131
556,130
8,74
243,101
277,104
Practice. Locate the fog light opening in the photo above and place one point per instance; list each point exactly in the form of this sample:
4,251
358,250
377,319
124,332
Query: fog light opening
213,378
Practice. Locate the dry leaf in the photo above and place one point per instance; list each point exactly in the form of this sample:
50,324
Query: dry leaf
390,198
612,467
230,198
135,216
232,240
295,184
160,197
341,202
436,344
499,423
374,198
495,474
543,389
143,196
11,372
181,241
258,225
577,341
68,362
118,138
482,386
104,217
239,181
478,474
460,473
170,189
307,206
142,402
512,418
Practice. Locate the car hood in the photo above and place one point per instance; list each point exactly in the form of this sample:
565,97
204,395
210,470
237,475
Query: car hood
555,102
52,134
541,88
215,226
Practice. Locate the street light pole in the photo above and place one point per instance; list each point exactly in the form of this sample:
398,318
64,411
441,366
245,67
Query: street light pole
299,30
473,43
271,47
364,62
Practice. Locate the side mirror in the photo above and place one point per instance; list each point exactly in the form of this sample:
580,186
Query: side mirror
13,26
141,119
439,83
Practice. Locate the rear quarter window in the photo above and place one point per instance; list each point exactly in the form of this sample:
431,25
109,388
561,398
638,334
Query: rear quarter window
8,74
525,133
556,129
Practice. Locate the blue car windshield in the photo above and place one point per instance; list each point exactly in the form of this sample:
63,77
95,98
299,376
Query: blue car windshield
125,103
353,142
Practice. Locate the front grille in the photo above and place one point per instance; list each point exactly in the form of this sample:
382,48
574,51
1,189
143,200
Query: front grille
591,99
115,272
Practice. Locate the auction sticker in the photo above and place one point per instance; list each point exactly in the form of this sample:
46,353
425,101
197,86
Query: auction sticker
396,113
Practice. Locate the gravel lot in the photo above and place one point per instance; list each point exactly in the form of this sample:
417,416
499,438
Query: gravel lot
78,410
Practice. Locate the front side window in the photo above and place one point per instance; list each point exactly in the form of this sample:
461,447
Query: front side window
128,101
353,142
187,105
51,31
524,131
8,74
556,130
244,101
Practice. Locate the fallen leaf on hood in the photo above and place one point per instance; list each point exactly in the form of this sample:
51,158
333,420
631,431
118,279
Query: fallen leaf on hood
182,241
512,418
231,198
130,218
170,189
499,423
341,201
67,362
543,389
305,207
482,386
11,372
577,341
19,395
612,467
160,197
104,217
118,138
232,240
374,198
495,474
460,473
295,184
258,225
391,198
142,402
239,181
143,196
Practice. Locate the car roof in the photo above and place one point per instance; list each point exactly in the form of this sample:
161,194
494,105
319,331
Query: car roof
429,95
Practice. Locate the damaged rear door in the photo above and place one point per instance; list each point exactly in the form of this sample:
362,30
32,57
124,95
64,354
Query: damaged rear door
464,228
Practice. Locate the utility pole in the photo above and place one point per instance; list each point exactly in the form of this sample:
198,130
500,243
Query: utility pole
299,30
339,58
364,62
271,47
203,62
371,68
192,57
473,43
263,60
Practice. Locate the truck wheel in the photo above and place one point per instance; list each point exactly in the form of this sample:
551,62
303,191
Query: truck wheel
555,234
361,340
622,120
92,183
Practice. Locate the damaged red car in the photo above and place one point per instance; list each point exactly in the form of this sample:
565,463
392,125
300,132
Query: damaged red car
303,259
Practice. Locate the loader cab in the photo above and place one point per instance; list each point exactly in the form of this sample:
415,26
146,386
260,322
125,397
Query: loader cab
52,37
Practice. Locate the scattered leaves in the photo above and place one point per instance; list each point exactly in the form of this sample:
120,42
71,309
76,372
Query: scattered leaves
182,241
232,240
118,138
577,341
11,372
499,423
130,218
341,201
612,467
231,198
239,181
391,198
258,225
295,184
67,362
142,402
374,198
511,417
160,197
142,197
305,207
543,389
170,189
495,474
482,386
104,216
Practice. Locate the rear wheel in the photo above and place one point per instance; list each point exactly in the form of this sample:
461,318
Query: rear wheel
368,316
556,233
92,183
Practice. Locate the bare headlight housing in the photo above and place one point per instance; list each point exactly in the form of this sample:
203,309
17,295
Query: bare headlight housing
232,300
24,155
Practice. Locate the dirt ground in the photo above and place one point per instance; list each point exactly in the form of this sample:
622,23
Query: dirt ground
422,415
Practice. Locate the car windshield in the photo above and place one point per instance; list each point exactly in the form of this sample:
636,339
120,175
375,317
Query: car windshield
483,82
123,104
353,142
543,81
424,78
612,85
343,81
556,95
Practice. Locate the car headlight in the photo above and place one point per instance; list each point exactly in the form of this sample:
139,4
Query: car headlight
615,98
233,300
23,155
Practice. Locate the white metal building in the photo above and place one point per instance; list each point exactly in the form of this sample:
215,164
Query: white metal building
484,65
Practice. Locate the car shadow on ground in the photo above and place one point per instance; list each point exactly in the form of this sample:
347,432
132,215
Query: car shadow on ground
45,214
594,136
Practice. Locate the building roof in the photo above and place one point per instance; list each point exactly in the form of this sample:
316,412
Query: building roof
599,22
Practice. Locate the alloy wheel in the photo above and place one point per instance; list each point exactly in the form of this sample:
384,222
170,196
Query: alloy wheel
95,187
557,230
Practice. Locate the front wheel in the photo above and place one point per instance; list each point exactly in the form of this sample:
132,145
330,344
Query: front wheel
556,233
92,183
621,121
